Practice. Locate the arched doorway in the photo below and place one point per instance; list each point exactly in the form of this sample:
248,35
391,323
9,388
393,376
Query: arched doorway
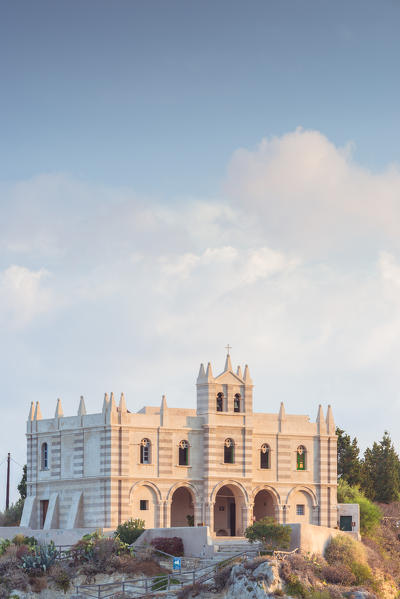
182,507
301,507
144,505
229,502
264,505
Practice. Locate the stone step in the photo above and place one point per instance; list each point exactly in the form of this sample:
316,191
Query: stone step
232,548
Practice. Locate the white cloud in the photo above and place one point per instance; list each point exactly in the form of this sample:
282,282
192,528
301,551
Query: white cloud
23,294
296,266
307,194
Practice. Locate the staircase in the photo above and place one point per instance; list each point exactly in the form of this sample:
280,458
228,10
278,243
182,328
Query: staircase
226,547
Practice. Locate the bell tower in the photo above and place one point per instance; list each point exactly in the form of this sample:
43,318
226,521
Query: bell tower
228,393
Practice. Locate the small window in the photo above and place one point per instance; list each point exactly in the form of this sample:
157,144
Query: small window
44,460
220,402
145,451
301,457
300,508
236,402
144,504
229,451
264,456
183,453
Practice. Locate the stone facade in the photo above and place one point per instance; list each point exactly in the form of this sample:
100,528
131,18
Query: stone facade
221,464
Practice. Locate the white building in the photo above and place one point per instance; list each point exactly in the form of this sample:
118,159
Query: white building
220,464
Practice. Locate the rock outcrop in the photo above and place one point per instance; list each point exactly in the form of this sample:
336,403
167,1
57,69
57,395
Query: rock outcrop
245,583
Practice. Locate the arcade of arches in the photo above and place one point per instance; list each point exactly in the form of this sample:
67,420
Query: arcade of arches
229,511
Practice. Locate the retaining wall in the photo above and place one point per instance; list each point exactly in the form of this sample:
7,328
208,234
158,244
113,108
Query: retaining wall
57,535
196,539
315,539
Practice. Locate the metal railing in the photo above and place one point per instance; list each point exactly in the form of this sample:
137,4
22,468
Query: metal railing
142,587
163,582
137,588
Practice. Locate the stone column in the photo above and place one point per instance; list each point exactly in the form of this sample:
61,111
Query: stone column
284,513
167,514
198,512
247,518
278,513
209,515
159,516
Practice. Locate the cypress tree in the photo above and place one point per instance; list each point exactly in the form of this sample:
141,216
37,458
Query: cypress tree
381,471
349,463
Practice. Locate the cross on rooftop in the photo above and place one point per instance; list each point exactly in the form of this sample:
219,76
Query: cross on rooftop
228,347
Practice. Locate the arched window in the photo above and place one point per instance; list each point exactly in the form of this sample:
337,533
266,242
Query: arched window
145,451
220,402
229,451
301,454
183,453
44,458
265,456
236,402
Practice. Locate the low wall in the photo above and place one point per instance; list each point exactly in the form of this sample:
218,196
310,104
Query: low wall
58,535
196,539
314,539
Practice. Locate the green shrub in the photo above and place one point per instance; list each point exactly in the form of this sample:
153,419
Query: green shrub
362,573
4,544
84,548
272,535
21,539
370,514
295,587
338,574
319,595
130,530
344,550
346,556
12,516
104,549
61,577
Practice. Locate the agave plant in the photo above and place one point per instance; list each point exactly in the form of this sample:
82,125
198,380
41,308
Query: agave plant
40,557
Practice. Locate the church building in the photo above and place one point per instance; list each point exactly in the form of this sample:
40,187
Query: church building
220,465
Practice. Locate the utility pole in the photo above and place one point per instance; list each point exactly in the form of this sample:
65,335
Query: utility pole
8,482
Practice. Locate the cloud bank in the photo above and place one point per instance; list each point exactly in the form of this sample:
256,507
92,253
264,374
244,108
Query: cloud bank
295,263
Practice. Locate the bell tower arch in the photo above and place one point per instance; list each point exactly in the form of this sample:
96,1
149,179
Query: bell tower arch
228,393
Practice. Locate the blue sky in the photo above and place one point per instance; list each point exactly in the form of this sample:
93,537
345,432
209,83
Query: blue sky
175,176
159,94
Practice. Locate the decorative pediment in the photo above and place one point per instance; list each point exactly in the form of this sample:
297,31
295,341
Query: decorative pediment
229,378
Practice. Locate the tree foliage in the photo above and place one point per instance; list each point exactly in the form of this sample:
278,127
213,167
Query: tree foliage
370,514
22,484
381,471
377,474
349,463
130,530
272,535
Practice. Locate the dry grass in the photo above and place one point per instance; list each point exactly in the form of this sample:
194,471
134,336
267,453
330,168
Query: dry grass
192,590
38,583
383,548
221,577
